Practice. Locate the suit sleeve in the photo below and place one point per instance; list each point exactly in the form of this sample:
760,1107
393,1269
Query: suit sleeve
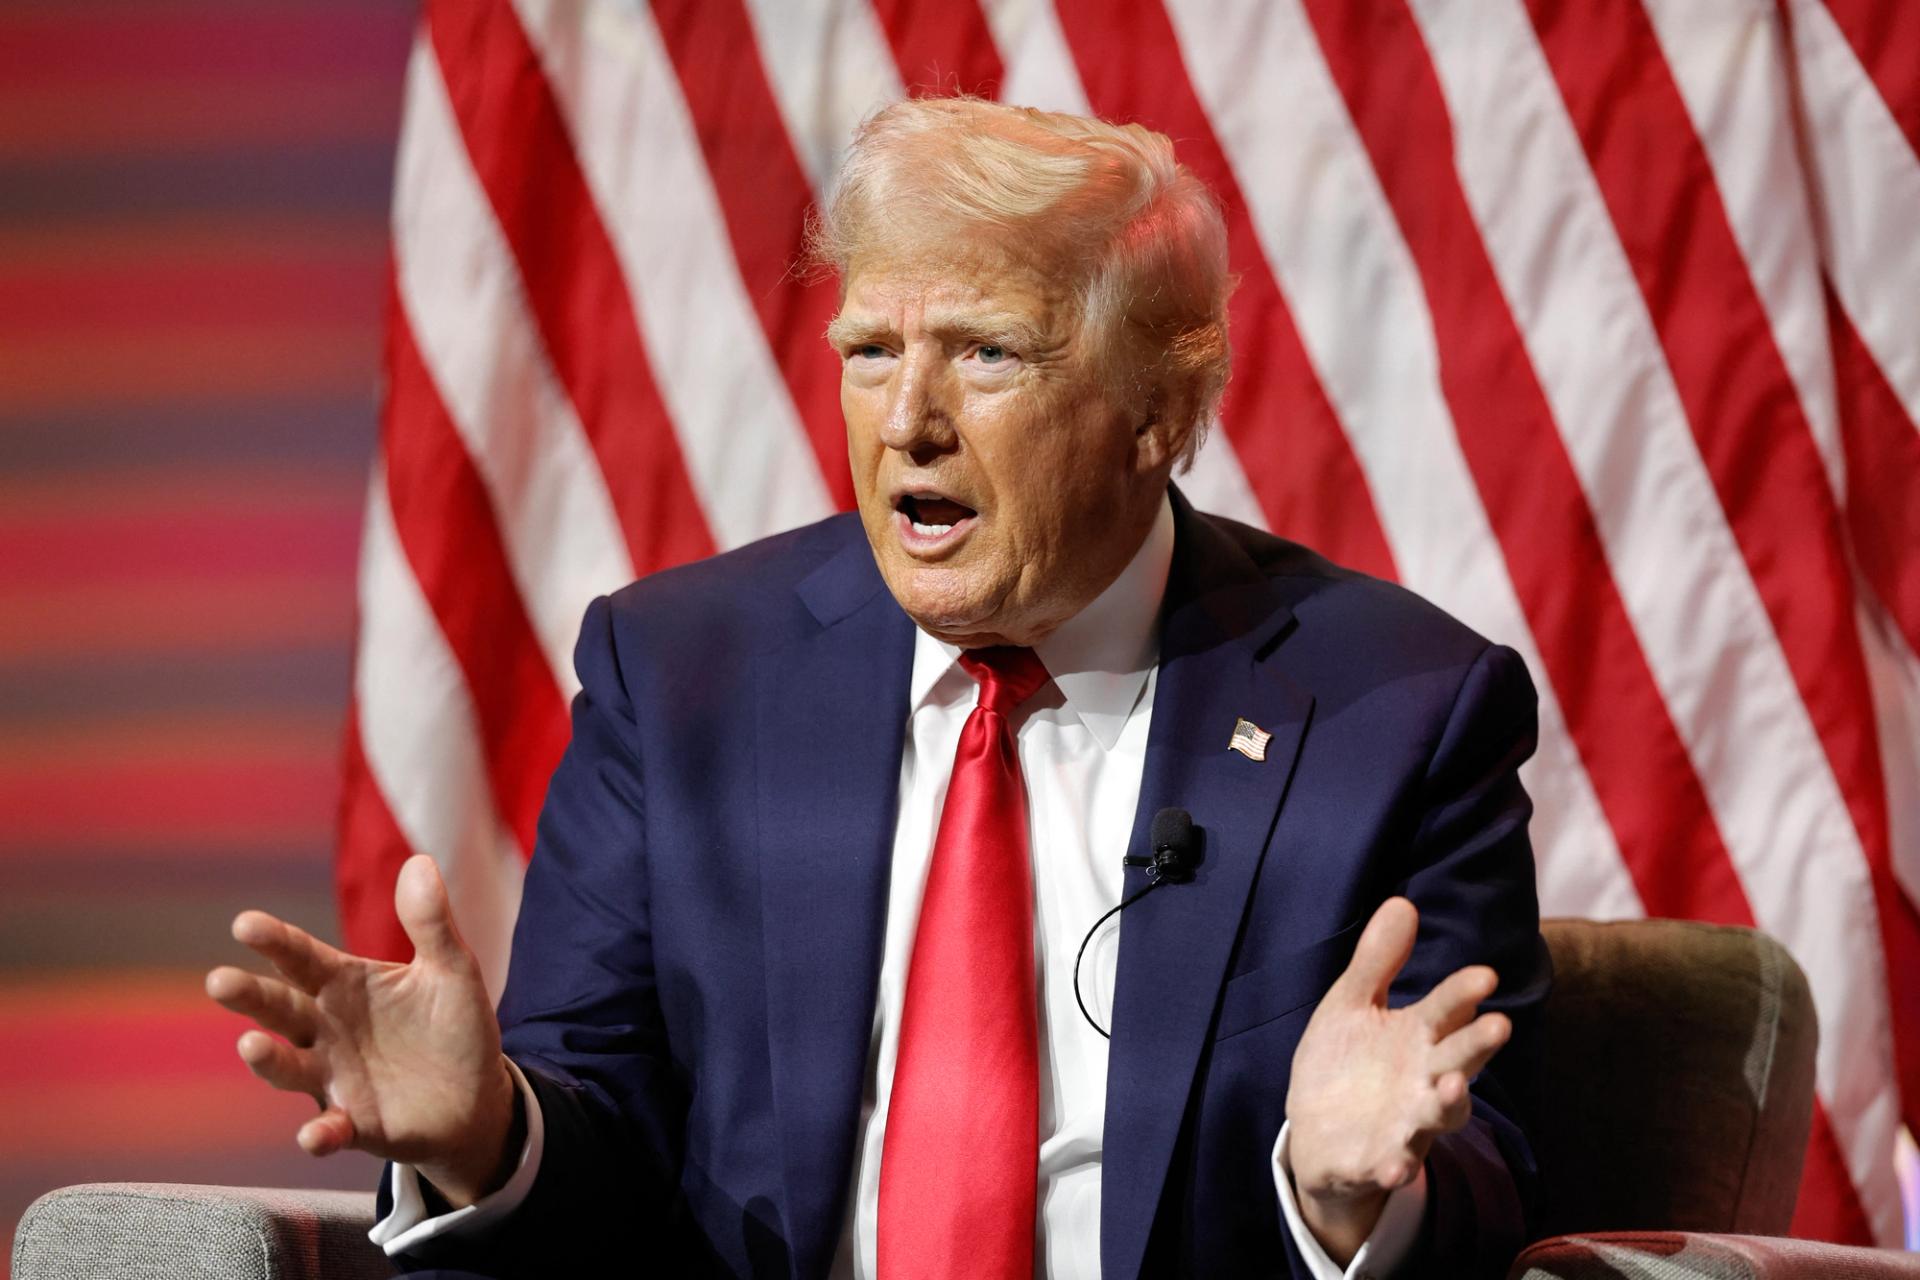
1471,875
581,1015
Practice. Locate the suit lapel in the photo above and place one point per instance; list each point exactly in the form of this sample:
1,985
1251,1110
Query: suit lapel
833,710
1222,618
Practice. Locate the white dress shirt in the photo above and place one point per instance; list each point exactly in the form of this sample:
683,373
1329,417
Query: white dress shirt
1082,742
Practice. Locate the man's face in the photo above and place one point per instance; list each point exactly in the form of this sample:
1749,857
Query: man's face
1001,489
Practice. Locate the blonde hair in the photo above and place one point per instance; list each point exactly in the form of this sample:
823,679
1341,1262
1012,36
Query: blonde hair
1145,234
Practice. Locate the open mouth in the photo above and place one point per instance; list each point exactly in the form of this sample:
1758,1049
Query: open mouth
931,519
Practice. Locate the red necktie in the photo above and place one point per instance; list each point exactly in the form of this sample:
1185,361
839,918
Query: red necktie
958,1165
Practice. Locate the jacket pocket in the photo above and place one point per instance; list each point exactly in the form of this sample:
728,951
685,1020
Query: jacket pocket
1289,982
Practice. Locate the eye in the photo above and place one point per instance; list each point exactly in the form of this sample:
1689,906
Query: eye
988,353
867,351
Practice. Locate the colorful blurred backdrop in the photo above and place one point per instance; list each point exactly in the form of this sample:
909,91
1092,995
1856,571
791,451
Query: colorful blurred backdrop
193,248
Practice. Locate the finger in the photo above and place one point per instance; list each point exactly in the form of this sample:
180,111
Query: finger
303,959
420,900
1451,1005
326,1133
281,1065
1396,1172
1471,1047
1456,1102
1439,1108
271,1003
1380,954
1443,1108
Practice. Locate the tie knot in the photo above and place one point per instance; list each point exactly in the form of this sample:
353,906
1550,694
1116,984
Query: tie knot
1008,675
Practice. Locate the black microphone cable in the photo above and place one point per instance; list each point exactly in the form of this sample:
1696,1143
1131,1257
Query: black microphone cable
1172,862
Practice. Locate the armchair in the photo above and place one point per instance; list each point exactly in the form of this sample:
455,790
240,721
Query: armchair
1674,1116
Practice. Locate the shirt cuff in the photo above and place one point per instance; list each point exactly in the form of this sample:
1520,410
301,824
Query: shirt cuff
1391,1240
408,1227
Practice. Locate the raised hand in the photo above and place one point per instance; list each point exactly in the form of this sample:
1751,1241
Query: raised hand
1372,1087
403,1060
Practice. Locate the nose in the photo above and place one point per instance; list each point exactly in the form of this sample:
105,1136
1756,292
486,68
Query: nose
919,421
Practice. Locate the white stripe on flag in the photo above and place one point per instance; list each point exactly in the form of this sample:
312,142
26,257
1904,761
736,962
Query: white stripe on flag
1040,71
746,450
422,742
830,67
1699,619
463,297
1894,672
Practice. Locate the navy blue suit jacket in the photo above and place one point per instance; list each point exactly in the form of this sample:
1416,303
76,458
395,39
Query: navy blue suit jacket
695,965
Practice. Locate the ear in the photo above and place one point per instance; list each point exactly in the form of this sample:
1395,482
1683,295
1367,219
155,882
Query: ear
1167,422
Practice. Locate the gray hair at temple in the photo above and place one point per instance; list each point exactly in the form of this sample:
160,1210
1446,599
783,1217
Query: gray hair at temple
1145,235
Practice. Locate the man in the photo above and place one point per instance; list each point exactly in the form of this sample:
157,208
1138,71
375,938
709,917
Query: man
798,976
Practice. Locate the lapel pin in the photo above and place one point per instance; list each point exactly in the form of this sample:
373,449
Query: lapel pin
1249,739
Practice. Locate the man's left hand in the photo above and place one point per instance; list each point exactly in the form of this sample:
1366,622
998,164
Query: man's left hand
1372,1087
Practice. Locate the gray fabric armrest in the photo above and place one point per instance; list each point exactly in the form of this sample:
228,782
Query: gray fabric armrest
165,1231
1690,1255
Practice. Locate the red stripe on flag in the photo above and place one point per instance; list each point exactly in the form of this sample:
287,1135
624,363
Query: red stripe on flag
446,525
942,46
1885,35
1283,429
1828,1207
1745,412
1640,769
1883,474
372,848
765,197
525,160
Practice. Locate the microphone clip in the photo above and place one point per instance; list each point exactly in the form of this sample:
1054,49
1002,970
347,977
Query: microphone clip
1164,866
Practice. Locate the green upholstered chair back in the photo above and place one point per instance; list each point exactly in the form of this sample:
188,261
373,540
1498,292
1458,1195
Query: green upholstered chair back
1678,1078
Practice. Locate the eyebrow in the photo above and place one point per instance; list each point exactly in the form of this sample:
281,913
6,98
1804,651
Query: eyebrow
856,330
999,327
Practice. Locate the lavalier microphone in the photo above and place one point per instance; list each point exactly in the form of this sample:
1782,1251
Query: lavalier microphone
1175,854
1175,850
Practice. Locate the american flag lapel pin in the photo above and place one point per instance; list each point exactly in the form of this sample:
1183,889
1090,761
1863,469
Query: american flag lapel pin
1249,739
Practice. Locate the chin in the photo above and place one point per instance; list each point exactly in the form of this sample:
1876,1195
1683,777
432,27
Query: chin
948,604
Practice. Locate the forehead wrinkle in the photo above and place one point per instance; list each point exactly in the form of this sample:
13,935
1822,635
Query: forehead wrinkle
1015,330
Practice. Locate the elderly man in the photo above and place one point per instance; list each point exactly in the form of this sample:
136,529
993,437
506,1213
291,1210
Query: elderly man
817,960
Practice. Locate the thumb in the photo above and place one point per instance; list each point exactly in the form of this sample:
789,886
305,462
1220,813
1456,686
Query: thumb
1383,949
420,900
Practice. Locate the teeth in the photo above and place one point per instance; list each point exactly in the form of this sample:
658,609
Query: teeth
929,530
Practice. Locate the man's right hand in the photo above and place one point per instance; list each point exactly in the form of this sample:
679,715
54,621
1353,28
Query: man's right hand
403,1059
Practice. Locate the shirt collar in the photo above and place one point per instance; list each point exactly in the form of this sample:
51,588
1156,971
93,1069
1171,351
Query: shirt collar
1099,658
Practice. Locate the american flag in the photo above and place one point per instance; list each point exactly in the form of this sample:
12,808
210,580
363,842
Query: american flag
1594,321
1249,739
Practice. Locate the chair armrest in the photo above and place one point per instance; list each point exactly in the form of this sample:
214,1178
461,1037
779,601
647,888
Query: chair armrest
1695,1255
163,1231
